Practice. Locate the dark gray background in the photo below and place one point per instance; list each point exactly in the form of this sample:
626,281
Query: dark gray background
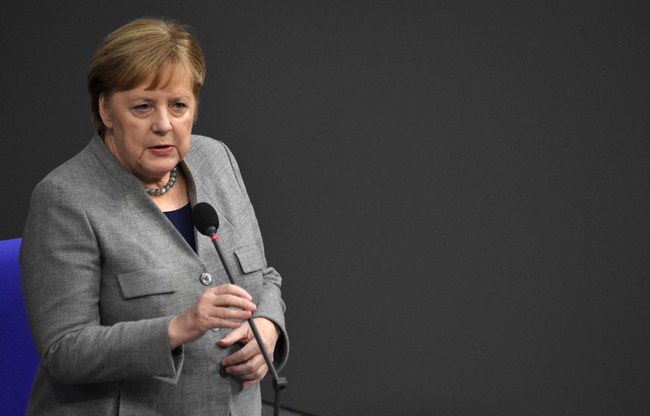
456,193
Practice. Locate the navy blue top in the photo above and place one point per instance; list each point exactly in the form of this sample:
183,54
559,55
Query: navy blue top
182,220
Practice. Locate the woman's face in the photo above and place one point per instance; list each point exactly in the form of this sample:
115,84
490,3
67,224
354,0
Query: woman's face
148,130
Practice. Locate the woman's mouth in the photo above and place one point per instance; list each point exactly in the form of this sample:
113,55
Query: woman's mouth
161,149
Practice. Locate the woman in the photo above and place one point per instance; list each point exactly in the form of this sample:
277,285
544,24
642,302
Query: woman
130,313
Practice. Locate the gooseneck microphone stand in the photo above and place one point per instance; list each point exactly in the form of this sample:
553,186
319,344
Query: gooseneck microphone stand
279,383
205,212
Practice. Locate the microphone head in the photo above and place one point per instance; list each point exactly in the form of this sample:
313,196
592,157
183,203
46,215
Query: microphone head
205,219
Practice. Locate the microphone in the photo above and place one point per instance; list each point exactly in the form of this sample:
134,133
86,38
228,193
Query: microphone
206,221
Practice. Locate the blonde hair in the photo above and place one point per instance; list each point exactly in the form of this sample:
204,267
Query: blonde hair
139,49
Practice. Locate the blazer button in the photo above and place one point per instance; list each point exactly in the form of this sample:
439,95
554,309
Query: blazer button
205,279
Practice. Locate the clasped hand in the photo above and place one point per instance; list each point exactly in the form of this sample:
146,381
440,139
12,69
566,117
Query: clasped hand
228,306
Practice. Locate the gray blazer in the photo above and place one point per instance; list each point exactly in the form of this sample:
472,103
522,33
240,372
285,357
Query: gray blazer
104,271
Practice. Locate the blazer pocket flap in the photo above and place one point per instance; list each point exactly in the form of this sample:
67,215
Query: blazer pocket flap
250,258
146,282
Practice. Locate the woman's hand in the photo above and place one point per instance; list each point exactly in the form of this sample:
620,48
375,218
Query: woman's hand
225,306
248,363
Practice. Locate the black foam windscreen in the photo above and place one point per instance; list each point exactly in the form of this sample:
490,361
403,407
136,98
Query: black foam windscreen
205,218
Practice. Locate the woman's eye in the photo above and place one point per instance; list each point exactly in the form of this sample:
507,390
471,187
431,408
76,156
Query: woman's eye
179,106
142,107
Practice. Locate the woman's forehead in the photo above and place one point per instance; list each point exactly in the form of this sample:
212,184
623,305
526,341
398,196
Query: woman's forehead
168,76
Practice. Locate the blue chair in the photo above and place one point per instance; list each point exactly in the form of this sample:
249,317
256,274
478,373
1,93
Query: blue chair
17,353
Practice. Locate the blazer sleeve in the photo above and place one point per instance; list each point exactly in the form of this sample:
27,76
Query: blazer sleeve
270,305
60,262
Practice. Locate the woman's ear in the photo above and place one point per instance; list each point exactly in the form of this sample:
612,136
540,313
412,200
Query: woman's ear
104,113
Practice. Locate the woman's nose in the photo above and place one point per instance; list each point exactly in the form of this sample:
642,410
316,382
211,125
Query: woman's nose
162,124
